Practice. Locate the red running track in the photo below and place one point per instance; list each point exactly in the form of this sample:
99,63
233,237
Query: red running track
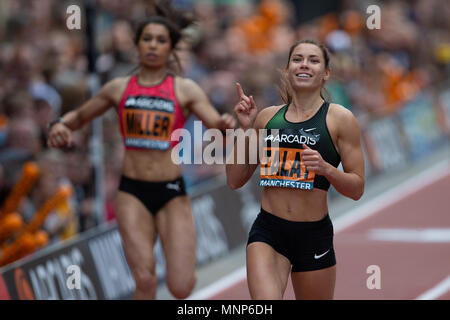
408,268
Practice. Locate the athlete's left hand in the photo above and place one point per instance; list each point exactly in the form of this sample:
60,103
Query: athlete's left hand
228,121
313,161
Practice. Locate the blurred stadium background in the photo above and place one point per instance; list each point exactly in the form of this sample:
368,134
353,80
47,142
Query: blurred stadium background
56,207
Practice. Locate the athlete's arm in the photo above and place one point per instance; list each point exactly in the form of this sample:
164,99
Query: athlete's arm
239,173
108,96
198,103
96,106
350,182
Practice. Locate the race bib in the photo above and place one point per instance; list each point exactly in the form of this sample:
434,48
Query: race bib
284,167
148,124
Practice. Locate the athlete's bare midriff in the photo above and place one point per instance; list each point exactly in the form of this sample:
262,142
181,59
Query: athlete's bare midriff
150,165
294,204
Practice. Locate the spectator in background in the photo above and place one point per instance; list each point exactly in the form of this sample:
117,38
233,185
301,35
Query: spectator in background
62,222
44,114
18,105
80,172
22,144
259,27
3,186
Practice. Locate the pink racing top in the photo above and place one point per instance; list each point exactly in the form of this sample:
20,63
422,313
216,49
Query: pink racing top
149,115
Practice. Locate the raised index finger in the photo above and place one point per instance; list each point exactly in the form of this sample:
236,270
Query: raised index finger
240,91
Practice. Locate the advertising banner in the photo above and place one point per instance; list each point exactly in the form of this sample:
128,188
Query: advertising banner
444,110
4,293
49,277
420,126
385,144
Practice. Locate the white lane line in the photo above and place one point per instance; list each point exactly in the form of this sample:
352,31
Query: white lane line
384,200
411,235
437,291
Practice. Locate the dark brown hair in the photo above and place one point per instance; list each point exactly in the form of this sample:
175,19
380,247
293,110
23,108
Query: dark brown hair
285,89
174,20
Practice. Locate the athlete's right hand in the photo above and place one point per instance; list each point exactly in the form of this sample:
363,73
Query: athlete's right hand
59,136
245,109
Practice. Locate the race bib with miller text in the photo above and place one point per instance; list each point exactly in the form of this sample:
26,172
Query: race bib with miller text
148,122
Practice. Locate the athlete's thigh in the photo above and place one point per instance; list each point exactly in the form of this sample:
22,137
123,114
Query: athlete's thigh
137,229
314,285
176,229
267,271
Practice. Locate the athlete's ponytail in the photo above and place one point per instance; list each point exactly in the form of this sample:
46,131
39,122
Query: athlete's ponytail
285,89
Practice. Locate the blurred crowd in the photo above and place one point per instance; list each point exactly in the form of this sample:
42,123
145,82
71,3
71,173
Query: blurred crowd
44,73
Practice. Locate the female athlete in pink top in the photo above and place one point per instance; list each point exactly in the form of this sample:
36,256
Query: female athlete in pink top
151,198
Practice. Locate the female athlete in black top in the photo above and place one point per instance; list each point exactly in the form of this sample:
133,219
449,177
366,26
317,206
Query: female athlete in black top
305,141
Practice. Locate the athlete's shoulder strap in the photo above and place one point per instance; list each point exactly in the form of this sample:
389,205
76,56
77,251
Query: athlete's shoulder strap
324,109
277,115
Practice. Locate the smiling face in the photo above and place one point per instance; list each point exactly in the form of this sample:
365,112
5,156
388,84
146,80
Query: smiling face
307,68
154,45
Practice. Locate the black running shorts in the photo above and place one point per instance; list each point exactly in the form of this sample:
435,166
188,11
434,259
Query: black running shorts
154,195
307,245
